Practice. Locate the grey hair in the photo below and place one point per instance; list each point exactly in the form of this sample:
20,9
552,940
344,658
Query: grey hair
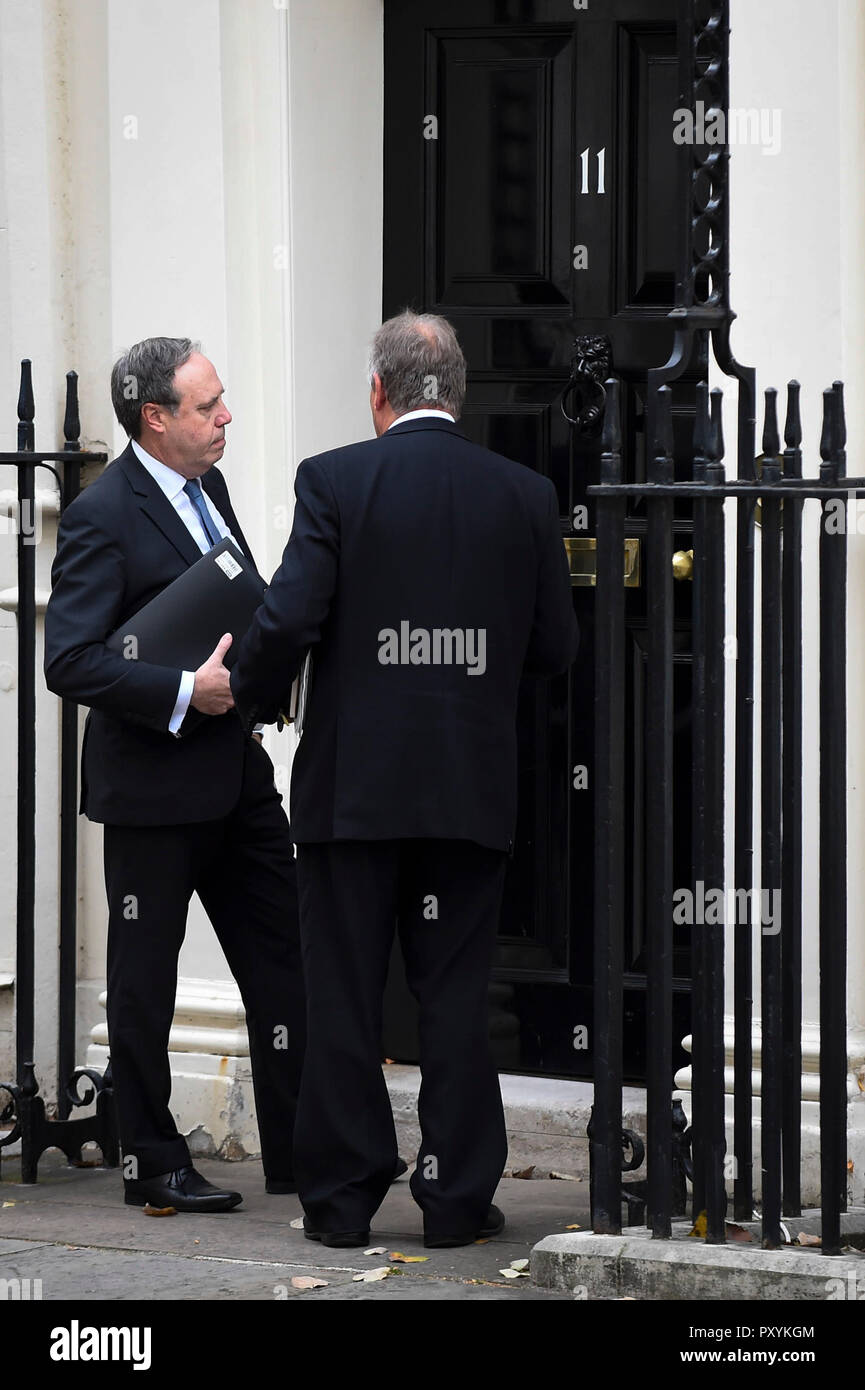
420,362
146,373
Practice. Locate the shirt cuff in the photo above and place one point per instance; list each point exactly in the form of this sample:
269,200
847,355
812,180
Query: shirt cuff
184,695
259,729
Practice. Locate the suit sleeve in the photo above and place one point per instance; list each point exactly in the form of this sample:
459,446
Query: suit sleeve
88,584
555,635
295,606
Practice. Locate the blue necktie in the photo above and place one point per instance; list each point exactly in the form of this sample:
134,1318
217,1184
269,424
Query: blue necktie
195,495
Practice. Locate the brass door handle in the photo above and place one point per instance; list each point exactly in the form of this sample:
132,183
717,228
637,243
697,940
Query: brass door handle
683,564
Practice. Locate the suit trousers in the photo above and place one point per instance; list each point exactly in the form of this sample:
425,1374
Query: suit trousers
243,869
444,898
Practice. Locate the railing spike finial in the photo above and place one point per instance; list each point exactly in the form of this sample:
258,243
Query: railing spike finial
715,450
71,420
26,408
701,419
771,437
663,441
838,389
611,438
793,423
827,433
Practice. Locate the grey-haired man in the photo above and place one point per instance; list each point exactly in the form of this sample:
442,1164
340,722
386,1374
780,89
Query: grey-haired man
426,574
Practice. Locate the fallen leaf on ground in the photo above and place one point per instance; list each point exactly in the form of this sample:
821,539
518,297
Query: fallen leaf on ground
8,1204
485,1240
575,1227
399,1258
849,1165
196,1241
513,1273
371,1276
805,1238
566,1177
523,1172
699,1226
376,1250
738,1233
306,1281
159,1211
297,1223
519,1264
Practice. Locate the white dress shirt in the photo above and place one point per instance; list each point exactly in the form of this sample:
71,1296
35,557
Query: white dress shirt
422,414
172,484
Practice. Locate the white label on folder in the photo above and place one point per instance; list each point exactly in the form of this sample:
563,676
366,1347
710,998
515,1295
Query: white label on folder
229,565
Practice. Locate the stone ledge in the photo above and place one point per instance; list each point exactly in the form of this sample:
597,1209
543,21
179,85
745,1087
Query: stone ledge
633,1265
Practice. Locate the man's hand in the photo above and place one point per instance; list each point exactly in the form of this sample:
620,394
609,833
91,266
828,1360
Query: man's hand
211,693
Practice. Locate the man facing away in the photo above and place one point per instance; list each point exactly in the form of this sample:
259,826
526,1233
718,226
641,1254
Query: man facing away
187,806
427,575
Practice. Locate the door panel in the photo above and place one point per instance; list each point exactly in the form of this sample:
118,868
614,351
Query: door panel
530,197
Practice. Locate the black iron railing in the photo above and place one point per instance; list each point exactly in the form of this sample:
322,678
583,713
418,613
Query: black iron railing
24,1112
702,319
780,653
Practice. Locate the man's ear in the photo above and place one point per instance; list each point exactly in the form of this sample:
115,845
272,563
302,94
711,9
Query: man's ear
151,414
379,395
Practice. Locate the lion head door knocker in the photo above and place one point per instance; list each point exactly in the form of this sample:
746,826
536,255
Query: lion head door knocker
591,364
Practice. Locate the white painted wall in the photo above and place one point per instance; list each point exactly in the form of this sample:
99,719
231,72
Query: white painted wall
210,169
798,286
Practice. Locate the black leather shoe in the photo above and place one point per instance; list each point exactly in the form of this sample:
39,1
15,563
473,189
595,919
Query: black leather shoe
280,1187
338,1240
184,1189
493,1226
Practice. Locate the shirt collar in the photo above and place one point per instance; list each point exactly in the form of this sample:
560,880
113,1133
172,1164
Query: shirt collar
421,415
170,481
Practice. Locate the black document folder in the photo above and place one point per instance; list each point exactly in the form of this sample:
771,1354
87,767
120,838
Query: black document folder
182,624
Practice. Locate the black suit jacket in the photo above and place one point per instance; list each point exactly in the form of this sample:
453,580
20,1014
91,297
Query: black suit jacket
119,544
425,527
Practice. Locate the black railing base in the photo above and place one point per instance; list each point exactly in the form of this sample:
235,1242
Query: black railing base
38,1134
634,1195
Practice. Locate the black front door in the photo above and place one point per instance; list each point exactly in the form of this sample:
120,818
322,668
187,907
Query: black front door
530,197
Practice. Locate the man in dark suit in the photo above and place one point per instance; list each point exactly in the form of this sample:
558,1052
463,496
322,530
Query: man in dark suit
187,805
426,574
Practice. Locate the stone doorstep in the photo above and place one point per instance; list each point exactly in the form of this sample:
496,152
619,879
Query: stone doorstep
546,1118
633,1265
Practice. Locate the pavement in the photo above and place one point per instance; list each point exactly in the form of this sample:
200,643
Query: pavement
72,1231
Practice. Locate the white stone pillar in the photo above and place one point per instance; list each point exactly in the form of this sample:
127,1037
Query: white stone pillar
263,238
45,209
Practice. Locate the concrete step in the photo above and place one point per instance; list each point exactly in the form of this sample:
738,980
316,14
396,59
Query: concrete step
546,1119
